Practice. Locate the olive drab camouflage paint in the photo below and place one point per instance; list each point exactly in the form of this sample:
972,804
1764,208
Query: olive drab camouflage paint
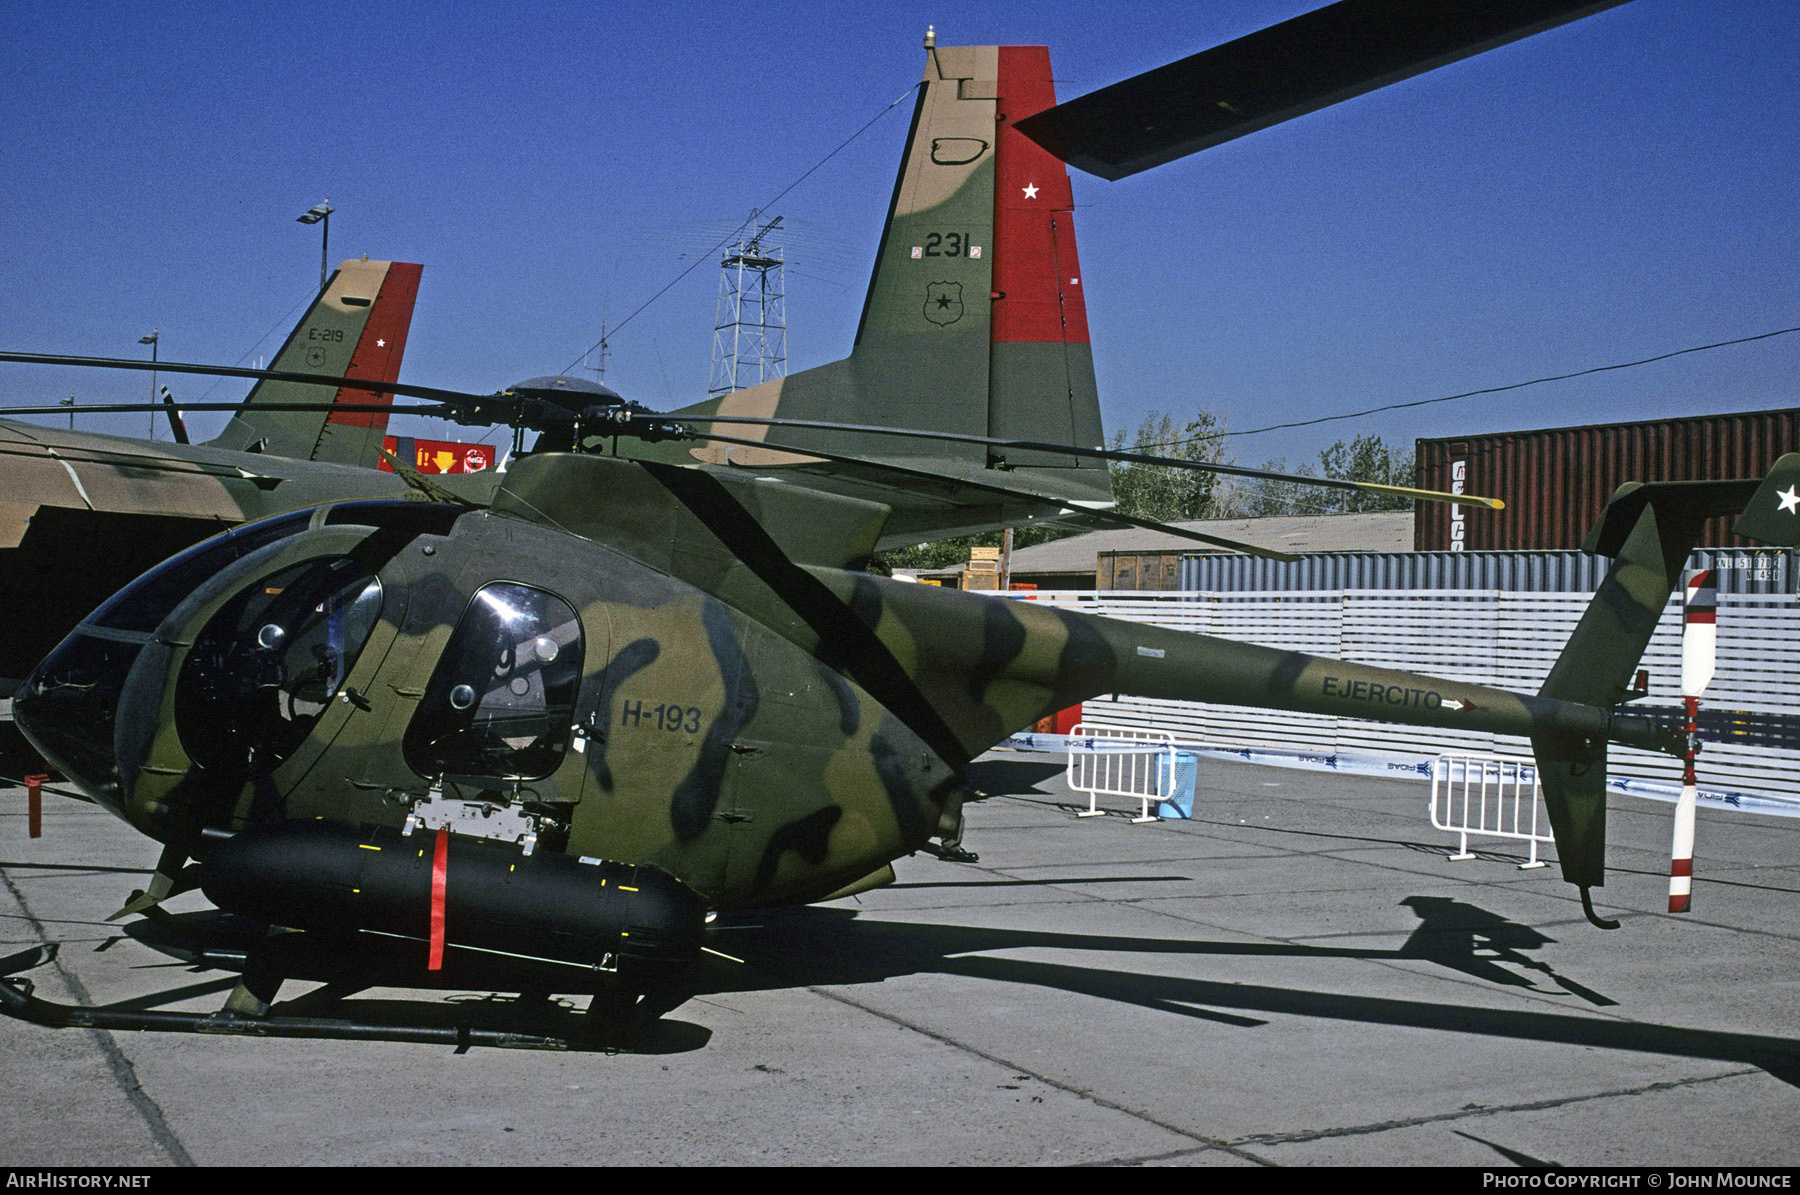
558,715
660,666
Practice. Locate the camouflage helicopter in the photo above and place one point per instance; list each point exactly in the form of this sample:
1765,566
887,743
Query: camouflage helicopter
534,738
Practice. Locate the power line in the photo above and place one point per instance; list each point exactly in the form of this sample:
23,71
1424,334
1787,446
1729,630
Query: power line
735,232
1425,402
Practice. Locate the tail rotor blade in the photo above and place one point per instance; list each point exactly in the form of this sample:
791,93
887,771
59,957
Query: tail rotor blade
1699,651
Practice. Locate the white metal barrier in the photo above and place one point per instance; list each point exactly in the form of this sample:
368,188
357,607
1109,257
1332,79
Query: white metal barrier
1488,795
1120,761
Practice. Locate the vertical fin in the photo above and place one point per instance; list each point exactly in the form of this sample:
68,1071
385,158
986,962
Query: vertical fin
974,321
1648,530
357,327
921,354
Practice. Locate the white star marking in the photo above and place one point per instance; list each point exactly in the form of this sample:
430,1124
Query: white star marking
1790,499
381,344
1031,191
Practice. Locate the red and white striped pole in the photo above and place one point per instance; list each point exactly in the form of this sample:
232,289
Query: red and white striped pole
1699,650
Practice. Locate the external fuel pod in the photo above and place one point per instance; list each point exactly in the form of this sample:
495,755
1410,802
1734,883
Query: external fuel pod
334,876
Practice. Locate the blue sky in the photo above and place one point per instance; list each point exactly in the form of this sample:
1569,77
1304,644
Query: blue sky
1614,189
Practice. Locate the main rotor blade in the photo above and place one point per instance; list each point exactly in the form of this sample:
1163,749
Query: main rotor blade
1105,454
1287,70
456,398
129,408
1114,517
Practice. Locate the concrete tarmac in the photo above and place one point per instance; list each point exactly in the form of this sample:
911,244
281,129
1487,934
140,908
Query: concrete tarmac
1298,976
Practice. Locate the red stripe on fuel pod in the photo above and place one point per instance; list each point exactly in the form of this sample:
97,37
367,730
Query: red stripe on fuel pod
440,866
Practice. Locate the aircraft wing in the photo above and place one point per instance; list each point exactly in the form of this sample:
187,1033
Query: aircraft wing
1275,74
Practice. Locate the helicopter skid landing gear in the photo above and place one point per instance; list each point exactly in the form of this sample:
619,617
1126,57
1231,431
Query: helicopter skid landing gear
628,1004
16,1000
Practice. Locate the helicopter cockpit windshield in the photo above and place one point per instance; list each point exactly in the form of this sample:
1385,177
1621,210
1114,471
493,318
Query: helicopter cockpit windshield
69,707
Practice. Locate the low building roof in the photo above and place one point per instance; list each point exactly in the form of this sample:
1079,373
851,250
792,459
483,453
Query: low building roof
1368,531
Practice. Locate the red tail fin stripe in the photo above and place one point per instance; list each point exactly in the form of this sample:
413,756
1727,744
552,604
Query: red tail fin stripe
382,345
1037,274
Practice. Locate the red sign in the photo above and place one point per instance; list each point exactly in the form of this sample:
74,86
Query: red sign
439,456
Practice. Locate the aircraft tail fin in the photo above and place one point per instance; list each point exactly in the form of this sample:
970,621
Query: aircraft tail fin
356,328
975,321
1648,529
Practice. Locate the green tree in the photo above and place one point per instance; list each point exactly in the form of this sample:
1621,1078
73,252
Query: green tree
1369,458
1165,494
1146,491
1366,458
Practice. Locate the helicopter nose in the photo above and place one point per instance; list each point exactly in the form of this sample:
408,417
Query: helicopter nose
69,708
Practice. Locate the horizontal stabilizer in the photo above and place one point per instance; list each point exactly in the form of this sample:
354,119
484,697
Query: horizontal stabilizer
1773,512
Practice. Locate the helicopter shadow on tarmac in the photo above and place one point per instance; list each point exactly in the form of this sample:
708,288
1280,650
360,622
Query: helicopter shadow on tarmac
363,983
826,947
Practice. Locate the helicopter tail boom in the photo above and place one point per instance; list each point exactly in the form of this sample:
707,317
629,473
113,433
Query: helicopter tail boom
994,666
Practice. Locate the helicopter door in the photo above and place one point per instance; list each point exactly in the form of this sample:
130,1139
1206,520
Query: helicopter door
662,720
282,669
501,703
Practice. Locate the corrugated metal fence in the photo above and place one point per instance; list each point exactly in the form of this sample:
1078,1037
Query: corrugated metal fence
1746,570
1508,638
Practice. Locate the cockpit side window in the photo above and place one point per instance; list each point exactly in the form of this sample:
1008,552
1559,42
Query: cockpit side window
268,663
502,699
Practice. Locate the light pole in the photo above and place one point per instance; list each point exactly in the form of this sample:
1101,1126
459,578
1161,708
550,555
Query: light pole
320,213
151,340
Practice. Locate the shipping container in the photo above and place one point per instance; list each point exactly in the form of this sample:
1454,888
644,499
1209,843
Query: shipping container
1555,481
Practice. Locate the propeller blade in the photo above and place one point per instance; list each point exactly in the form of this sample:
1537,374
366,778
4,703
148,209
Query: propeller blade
1122,520
1699,632
516,406
1105,454
177,426
1287,70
